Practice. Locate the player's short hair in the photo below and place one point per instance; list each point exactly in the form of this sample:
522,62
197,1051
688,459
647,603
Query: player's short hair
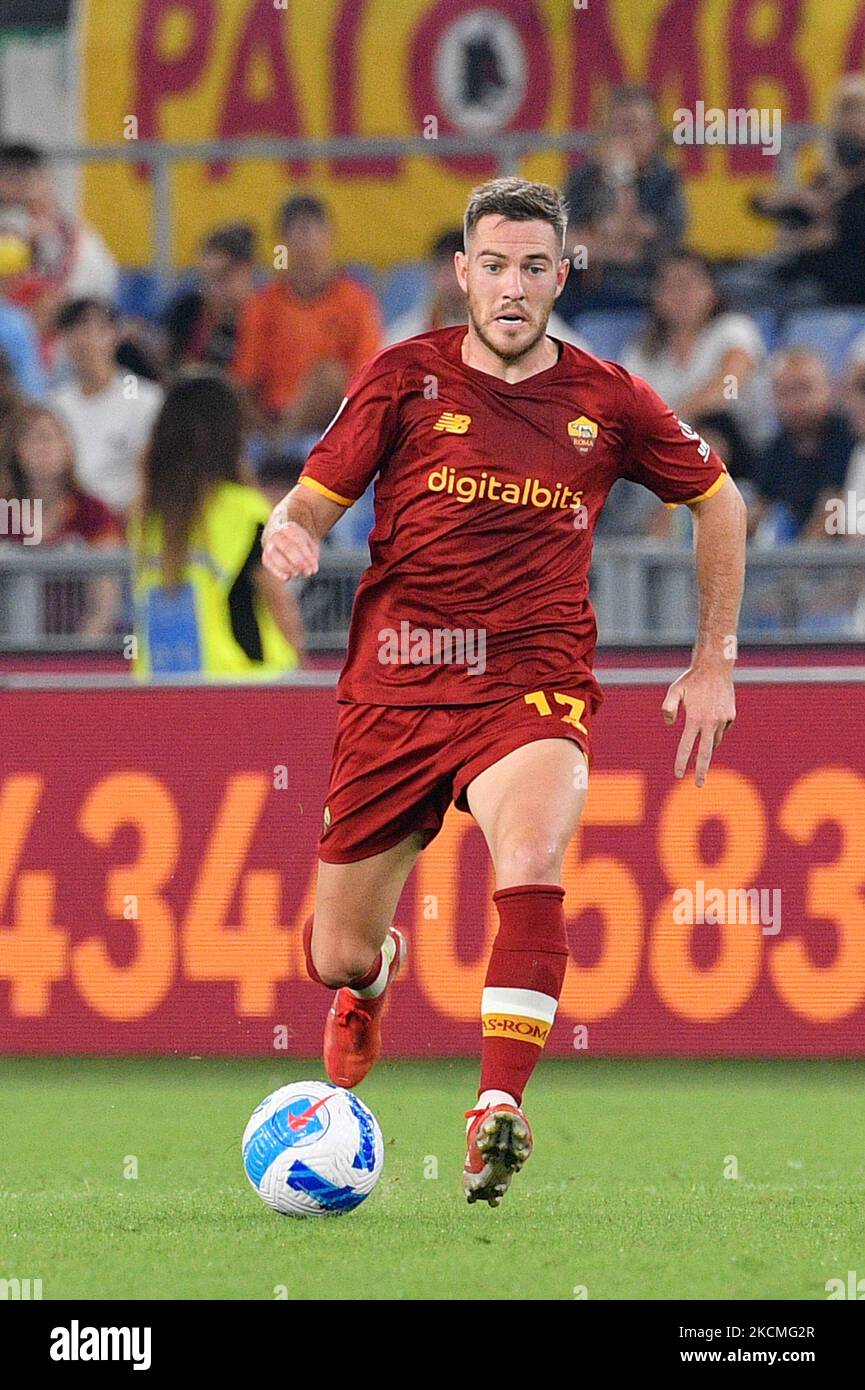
21,157
302,205
446,244
798,355
73,311
519,201
236,240
632,94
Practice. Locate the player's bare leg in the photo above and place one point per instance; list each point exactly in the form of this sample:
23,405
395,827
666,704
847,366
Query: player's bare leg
351,946
528,806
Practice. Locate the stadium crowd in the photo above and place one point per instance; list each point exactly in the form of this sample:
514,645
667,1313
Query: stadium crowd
765,357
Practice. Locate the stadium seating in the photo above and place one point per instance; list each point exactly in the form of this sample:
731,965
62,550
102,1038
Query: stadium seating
767,322
608,331
363,272
141,294
402,289
830,331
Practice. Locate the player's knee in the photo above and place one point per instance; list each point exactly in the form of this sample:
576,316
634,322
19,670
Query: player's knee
529,858
336,965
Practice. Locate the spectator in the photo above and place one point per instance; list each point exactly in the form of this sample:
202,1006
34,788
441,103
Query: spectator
634,511
631,510
202,324
140,349
19,341
38,466
853,487
702,359
823,223
627,207
11,395
204,602
446,305
110,413
723,434
855,354
852,493
308,331
70,259
807,460
278,473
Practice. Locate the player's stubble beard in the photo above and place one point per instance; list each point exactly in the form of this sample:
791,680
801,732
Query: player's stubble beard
503,354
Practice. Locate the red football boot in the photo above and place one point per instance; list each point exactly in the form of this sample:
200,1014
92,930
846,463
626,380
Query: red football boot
352,1032
499,1141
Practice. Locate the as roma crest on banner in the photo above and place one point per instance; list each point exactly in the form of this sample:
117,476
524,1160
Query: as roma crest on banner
481,71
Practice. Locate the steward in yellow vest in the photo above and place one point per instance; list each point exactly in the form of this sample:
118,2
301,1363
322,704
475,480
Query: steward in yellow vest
203,604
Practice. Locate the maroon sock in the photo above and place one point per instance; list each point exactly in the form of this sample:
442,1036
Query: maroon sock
523,983
307,951
362,982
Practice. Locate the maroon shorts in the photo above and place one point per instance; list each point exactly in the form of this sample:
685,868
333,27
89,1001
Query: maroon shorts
396,769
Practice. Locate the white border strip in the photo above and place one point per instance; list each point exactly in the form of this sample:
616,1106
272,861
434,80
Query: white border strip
745,675
622,675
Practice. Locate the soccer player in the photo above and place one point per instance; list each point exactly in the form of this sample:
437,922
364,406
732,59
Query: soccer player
469,668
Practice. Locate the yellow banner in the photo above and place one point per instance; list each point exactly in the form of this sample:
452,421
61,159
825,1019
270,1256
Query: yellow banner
187,70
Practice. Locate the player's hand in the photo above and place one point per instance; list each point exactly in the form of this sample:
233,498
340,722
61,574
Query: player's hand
709,701
288,549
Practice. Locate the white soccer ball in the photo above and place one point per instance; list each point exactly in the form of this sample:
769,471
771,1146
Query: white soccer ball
311,1148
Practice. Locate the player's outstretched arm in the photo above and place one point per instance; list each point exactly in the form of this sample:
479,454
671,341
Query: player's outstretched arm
290,544
706,689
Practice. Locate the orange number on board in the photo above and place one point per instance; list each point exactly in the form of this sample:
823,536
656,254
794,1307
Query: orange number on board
33,950
705,994
824,993
258,952
133,895
606,885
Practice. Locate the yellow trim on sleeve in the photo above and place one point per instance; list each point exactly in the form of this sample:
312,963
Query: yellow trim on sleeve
710,492
326,492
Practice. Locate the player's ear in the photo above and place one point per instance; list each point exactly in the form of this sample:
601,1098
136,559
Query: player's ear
562,275
461,265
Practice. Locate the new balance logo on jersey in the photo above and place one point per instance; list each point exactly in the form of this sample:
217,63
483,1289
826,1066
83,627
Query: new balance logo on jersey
451,423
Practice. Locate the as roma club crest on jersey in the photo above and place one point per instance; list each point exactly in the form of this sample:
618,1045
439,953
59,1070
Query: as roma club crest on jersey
583,432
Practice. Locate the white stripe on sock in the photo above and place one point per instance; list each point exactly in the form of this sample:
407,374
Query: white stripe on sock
388,951
526,1003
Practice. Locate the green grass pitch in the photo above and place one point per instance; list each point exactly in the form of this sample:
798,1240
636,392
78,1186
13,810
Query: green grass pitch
624,1196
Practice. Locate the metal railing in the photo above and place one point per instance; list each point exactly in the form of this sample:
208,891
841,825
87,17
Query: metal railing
507,148
643,591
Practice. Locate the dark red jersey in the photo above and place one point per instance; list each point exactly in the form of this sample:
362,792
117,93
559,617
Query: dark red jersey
486,501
